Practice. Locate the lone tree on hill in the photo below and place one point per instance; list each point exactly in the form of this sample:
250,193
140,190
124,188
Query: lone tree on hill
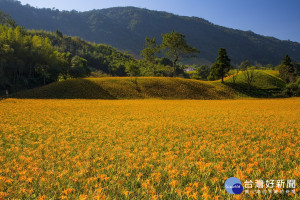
222,65
286,70
177,47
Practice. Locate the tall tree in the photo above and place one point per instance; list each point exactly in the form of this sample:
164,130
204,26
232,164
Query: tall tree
286,70
222,65
177,47
286,60
149,52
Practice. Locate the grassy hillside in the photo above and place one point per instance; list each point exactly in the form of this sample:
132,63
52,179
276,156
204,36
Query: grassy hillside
124,88
265,84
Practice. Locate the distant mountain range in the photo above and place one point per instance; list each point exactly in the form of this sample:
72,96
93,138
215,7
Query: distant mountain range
126,28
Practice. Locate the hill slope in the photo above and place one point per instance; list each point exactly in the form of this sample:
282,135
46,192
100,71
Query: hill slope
126,29
265,85
124,88
98,56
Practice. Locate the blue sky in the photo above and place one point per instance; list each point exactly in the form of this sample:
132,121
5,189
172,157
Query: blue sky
277,18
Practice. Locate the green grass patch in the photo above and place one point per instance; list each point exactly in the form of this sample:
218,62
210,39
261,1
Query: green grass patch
265,84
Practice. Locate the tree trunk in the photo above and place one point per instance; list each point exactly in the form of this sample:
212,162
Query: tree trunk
174,65
222,75
44,79
153,68
44,76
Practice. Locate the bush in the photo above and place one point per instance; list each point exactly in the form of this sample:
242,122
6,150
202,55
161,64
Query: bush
293,89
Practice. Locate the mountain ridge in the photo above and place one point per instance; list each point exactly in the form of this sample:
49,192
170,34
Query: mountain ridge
126,28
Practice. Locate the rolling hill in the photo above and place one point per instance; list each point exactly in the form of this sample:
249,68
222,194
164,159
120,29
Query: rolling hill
124,88
265,84
126,28
155,87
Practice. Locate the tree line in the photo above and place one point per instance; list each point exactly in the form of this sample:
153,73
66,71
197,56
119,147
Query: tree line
176,48
31,60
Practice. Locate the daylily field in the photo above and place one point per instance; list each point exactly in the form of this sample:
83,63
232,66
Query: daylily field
146,149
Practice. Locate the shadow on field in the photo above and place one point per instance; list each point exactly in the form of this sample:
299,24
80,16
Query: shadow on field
256,92
124,88
69,89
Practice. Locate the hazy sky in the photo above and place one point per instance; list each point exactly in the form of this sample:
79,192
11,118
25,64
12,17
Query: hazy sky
278,18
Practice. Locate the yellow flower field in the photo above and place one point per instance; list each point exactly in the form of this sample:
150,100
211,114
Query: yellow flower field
146,149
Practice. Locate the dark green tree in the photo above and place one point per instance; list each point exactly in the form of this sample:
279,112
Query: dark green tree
5,19
297,68
286,70
79,67
64,61
203,72
286,60
59,34
165,61
132,69
149,52
222,65
177,47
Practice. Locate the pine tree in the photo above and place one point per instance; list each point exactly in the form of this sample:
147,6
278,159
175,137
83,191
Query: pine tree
222,65
287,70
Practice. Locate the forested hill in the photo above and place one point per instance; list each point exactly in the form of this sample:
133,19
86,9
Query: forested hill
126,28
30,59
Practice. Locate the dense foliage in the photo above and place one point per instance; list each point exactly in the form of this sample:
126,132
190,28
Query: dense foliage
174,46
126,29
33,58
149,52
26,60
177,48
99,56
30,59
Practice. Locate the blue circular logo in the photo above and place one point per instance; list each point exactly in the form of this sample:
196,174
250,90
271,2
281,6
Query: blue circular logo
233,186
